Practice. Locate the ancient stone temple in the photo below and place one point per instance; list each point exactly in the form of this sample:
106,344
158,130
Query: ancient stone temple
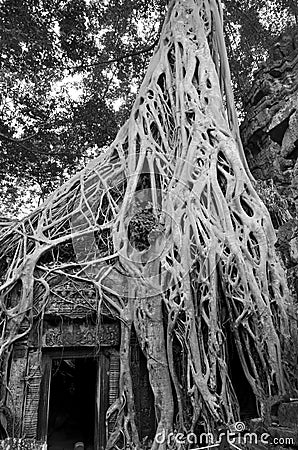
270,129
270,138
64,375
145,296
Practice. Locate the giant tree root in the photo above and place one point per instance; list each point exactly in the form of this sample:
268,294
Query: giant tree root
170,210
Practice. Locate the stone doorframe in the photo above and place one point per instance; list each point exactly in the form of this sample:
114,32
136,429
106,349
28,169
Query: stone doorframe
30,373
108,373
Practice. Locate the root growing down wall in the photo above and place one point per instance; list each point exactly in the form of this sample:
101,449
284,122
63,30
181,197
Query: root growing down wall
167,227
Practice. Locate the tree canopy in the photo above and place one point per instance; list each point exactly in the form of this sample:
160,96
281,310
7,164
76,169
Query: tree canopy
70,70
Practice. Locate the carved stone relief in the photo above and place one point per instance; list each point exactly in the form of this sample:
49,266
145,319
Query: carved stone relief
80,334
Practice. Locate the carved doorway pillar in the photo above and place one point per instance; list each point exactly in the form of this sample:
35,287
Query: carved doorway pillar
96,389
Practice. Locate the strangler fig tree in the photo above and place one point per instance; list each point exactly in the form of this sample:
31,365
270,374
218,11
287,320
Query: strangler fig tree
168,228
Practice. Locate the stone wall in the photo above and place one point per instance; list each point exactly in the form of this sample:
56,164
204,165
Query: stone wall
270,138
270,129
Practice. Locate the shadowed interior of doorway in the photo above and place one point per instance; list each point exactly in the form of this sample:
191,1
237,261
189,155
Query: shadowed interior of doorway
72,403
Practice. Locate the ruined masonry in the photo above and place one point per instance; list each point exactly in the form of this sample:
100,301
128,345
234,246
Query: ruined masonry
270,138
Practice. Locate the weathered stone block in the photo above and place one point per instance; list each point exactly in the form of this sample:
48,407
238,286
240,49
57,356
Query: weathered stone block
288,414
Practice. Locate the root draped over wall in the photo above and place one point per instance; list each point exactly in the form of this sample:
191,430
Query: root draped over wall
167,227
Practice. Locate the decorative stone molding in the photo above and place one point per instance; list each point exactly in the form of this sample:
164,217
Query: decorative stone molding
80,334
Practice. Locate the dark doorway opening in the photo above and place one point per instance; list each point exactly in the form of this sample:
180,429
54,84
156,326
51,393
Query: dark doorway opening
72,403
243,390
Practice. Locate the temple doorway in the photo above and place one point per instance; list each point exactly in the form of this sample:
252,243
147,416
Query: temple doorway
72,408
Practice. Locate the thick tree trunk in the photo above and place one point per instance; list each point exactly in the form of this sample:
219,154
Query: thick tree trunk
171,207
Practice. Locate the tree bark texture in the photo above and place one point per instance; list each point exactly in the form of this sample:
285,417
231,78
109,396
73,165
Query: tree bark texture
168,228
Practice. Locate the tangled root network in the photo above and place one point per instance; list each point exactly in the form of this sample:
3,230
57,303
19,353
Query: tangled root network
168,229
